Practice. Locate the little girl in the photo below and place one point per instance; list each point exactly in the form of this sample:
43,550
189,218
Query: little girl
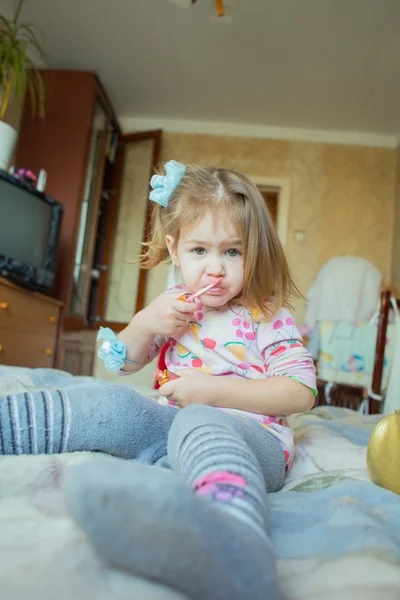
202,528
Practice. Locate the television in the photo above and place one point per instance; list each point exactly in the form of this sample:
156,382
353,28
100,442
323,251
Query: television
30,225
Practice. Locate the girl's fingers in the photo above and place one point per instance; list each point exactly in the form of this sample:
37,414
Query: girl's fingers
183,307
181,319
180,331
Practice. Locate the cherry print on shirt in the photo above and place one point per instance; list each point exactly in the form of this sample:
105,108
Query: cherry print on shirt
294,344
285,333
241,329
277,350
209,343
197,363
199,310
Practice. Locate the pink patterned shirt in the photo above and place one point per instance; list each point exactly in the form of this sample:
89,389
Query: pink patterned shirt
236,342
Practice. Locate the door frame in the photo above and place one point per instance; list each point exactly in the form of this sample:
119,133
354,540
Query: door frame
283,184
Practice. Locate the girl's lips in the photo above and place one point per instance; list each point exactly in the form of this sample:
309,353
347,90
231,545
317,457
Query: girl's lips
215,291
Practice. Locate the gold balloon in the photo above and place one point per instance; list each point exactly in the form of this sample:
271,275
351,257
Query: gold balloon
383,453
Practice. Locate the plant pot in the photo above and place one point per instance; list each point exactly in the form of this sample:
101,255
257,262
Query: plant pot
8,139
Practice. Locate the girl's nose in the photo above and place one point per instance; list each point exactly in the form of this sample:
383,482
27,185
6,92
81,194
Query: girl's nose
215,268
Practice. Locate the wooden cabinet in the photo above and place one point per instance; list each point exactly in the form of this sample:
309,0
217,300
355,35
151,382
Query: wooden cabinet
78,349
77,144
80,146
29,327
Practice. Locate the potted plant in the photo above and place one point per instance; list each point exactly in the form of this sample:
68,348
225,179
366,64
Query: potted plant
18,74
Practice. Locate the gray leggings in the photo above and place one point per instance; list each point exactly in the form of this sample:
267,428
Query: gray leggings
116,420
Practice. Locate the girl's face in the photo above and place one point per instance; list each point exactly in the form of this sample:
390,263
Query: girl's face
210,249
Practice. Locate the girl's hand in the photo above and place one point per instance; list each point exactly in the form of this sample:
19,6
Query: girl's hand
191,387
166,316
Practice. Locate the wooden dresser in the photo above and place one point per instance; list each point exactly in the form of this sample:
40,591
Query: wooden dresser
29,327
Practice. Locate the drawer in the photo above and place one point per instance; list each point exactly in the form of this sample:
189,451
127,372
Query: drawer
26,312
26,349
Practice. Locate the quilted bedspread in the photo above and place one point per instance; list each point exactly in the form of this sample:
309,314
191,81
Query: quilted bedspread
336,535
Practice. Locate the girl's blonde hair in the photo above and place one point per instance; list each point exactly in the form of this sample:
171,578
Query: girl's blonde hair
227,194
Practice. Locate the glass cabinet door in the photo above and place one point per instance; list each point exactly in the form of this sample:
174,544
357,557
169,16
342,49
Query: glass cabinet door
89,213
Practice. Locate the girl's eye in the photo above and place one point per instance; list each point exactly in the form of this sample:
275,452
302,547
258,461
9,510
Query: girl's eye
199,251
232,252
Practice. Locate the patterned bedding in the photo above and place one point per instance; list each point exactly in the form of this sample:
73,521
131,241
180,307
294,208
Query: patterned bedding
347,352
336,535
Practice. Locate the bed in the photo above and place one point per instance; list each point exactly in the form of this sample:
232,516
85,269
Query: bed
336,535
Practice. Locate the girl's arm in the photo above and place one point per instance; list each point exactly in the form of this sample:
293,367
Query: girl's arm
165,317
273,396
141,344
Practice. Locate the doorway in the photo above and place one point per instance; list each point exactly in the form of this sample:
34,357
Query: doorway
280,186
271,197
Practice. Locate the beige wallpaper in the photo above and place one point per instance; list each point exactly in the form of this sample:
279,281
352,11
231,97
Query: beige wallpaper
396,240
343,197
121,298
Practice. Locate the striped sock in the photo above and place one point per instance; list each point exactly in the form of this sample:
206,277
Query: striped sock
218,464
35,423
105,418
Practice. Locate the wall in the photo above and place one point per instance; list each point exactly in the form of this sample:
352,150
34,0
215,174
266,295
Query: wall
123,284
396,241
342,196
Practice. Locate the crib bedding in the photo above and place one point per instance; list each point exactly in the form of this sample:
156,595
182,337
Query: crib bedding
347,352
336,535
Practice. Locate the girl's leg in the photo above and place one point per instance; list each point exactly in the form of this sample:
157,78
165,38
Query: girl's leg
200,529
112,418
263,445
218,456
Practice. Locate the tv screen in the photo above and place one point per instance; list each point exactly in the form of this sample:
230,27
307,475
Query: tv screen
30,225
24,225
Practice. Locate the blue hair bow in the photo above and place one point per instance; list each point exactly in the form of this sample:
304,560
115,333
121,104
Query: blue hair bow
164,185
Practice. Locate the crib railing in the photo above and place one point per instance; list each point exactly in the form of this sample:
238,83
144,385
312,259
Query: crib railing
351,396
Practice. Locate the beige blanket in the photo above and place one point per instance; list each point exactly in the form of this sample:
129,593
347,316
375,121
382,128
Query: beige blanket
337,536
